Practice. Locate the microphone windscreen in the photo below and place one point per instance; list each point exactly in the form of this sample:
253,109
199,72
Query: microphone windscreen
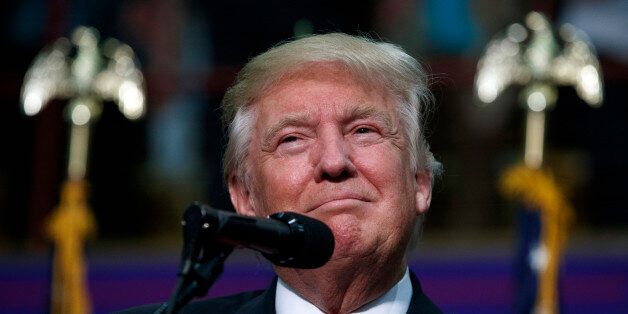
311,245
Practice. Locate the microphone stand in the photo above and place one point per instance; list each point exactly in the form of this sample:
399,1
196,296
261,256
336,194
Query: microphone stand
202,260
195,279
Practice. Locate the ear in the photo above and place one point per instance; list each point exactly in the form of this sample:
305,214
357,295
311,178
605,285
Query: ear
240,197
423,191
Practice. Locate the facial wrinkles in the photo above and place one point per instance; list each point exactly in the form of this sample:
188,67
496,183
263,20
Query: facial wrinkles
297,120
390,125
368,112
337,110
351,113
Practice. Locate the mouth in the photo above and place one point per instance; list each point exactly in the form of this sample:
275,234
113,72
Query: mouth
339,202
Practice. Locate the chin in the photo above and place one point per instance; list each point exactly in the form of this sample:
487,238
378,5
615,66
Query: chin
352,245
351,236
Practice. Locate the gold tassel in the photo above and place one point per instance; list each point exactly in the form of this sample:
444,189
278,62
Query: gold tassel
539,189
70,224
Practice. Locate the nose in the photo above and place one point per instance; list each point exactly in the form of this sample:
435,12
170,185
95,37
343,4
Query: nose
332,158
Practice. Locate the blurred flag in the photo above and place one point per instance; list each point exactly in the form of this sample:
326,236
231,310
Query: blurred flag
68,227
543,220
87,73
539,57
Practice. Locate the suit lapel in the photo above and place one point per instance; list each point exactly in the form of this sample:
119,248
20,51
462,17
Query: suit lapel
420,304
263,303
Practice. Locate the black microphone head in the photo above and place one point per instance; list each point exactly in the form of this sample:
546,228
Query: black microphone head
310,244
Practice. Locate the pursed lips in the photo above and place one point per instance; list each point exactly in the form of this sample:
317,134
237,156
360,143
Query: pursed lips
339,199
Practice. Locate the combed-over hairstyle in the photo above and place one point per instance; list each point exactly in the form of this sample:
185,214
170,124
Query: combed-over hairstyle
377,63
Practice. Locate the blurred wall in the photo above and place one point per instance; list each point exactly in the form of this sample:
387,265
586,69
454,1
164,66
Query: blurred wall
143,173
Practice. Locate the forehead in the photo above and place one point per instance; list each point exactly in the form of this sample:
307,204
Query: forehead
322,88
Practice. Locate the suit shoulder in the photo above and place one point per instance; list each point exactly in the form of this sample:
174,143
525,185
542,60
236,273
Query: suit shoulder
226,304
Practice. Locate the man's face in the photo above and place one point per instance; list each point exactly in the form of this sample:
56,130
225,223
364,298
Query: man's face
329,147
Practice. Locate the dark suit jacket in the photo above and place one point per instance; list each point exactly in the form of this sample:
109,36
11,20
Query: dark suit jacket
263,301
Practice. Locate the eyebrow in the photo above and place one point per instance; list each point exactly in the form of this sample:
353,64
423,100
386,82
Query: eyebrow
300,119
351,113
367,112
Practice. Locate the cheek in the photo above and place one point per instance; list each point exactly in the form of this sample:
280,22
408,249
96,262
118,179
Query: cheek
385,168
281,182
390,173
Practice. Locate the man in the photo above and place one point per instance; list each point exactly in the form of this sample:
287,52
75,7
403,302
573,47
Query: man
331,126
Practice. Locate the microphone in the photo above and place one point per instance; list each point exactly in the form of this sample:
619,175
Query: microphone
286,239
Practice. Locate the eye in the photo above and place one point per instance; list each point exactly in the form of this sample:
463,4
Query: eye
289,139
292,144
363,130
365,134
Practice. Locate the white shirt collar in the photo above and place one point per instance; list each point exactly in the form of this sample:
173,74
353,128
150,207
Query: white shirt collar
396,300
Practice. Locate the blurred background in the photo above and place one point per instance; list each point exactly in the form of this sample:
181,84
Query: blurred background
142,174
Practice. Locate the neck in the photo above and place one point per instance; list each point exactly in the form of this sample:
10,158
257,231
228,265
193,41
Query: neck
342,287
